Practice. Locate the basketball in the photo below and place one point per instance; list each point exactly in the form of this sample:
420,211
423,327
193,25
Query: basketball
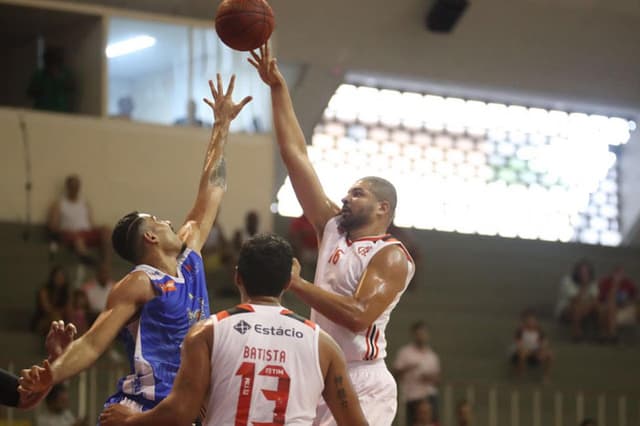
244,24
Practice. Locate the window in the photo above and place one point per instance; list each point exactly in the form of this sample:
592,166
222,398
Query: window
474,167
158,73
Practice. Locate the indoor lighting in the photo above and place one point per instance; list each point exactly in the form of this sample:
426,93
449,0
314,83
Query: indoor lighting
129,45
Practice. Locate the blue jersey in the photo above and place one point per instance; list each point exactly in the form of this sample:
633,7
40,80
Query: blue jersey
153,340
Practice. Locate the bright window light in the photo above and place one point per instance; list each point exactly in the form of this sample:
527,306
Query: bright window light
129,45
474,167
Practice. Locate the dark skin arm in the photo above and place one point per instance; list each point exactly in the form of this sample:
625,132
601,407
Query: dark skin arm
213,181
124,301
189,389
338,391
383,279
318,208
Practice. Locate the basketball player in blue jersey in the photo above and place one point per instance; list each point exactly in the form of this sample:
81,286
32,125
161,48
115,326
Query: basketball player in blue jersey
155,304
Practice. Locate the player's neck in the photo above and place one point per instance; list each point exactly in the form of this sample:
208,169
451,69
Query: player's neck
262,300
167,263
368,230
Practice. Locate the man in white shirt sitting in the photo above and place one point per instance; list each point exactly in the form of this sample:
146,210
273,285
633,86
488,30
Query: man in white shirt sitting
71,221
417,369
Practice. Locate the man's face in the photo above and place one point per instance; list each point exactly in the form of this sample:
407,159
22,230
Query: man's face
358,206
163,230
72,187
421,336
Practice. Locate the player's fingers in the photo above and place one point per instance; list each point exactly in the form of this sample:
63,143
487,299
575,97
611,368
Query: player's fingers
254,63
254,55
214,92
219,88
208,102
267,52
232,84
244,102
71,330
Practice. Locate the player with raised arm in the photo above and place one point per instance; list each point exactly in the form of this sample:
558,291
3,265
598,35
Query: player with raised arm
362,271
154,305
257,363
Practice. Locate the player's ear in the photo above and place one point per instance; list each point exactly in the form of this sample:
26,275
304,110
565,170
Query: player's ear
150,237
384,207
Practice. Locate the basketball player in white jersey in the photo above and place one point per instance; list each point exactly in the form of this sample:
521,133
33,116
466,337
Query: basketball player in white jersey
258,363
362,271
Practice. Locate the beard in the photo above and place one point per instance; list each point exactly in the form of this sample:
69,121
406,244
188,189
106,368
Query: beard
349,221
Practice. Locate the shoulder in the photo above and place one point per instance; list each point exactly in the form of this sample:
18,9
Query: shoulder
135,286
392,256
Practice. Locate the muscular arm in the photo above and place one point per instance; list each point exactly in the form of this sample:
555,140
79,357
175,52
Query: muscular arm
124,301
189,390
213,182
383,279
338,391
293,149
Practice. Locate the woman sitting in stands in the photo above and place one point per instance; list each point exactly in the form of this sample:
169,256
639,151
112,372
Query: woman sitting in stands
53,302
578,298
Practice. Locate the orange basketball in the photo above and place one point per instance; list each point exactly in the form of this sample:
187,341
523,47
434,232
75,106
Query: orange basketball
244,24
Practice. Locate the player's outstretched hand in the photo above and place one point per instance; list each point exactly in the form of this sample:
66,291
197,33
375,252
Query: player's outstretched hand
267,66
222,104
115,415
36,379
60,336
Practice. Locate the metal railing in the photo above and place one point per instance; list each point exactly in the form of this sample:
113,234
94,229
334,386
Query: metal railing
492,405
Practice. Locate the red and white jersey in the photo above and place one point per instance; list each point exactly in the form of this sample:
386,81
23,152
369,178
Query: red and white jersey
341,264
265,368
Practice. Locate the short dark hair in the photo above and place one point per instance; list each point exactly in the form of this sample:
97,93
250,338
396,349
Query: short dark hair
124,235
264,264
418,325
55,392
383,191
575,273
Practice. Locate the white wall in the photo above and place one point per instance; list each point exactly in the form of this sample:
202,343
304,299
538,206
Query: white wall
630,189
126,166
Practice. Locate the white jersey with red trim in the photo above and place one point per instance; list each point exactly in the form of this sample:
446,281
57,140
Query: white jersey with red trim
341,264
265,368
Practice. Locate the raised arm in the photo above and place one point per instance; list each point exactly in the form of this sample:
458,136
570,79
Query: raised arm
182,406
383,279
293,148
124,302
338,391
213,182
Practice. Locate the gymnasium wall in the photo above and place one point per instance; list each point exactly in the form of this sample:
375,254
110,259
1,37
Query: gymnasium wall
126,166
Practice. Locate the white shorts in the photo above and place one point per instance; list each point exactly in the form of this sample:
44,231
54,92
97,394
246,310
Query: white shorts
376,390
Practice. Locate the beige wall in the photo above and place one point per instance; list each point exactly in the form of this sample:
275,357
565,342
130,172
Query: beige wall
127,166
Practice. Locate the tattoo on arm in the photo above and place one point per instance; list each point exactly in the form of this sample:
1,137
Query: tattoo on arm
218,175
341,392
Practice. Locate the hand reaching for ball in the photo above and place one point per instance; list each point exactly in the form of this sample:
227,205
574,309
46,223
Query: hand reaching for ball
222,104
267,66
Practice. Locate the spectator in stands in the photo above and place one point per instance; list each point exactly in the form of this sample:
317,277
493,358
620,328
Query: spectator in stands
578,298
417,369
57,411
617,297
52,87
53,301
251,226
79,313
305,243
97,290
424,414
531,346
464,413
71,221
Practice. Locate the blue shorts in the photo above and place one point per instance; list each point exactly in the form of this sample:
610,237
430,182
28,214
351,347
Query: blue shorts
134,402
